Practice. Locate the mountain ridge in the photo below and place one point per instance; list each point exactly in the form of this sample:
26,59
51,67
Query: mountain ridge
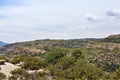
2,43
113,38
41,46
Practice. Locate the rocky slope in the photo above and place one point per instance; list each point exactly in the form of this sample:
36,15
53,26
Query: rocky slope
14,49
41,46
103,52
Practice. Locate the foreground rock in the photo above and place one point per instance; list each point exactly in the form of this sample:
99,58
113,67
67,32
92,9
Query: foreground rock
7,68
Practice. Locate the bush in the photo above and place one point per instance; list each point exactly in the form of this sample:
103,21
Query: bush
65,62
116,74
33,63
76,53
2,62
56,54
19,58
2,76
19,74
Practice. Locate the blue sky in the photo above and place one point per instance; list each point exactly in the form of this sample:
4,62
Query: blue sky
24,20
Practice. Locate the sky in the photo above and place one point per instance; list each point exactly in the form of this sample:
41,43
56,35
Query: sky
25,20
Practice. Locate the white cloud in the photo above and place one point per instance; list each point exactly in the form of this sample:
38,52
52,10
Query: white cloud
35,19
92,18
114,13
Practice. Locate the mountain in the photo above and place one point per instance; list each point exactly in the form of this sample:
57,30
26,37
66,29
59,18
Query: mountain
2,44
41,46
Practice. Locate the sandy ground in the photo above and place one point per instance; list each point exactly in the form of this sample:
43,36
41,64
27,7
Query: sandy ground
7,68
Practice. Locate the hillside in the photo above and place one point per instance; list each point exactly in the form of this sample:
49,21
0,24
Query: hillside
113,38
90,58
2,44
42,46
117,36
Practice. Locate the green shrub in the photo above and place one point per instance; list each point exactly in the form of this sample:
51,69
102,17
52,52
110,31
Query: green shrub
2,76
56,54
33,63
76,53
19,73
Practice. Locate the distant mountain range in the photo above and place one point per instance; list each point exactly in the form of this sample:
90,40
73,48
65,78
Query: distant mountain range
40,46
71,43
2,43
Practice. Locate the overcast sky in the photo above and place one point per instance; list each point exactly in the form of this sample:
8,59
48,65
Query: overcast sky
24,20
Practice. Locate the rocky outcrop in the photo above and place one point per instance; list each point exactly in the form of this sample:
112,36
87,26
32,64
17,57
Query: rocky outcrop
13,49
103,45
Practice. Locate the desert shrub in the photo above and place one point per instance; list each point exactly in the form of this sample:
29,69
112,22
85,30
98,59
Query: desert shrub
77,53
116,75
18,58
19,74
54,55
33,63
2,76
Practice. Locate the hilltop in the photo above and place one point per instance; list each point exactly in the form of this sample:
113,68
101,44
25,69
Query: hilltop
113,38
117,36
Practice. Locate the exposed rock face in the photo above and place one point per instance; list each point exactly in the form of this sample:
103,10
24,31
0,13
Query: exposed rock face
109,61
9,49
103,45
